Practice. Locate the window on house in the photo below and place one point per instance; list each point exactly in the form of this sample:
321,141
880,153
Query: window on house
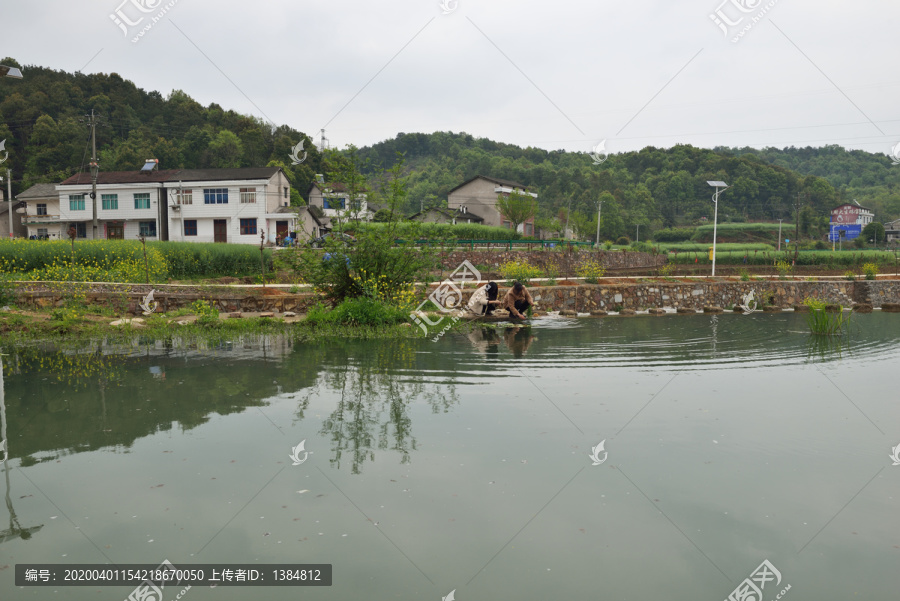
356,204
147,228
186,197
215,196
248,195
42,232
529,229
248,227
286,194
76,202
190,227
42,209
142,200
80,229
506,223
335,203
110,201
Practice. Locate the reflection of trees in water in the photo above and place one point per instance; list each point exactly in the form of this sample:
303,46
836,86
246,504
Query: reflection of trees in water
75,398
377,385
76,366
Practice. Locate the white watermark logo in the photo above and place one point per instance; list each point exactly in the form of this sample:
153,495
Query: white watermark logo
3,149
123,20
749,305
896,456
731,20
295,453
751,589
598,152
152,589
449,596
447,7
448,296
895,153
295,153
149,305
595,453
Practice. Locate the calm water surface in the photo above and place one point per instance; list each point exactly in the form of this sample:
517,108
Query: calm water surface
464,464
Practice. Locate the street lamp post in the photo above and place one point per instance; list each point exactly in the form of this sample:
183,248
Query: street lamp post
637,237
15,74
716,185
599,208
779,235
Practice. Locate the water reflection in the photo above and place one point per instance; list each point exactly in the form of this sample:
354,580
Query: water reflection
487,340
375,392
15,529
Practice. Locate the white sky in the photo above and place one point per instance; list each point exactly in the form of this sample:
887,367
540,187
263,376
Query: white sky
553,75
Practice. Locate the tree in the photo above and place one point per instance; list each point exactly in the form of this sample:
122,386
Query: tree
516,208
873,231
382,216
226,150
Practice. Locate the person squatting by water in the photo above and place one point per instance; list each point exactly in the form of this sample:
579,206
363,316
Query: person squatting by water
484,300
517,301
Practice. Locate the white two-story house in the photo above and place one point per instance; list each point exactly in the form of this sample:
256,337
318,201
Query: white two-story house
41,213
336,202
191,205
229,205
479,195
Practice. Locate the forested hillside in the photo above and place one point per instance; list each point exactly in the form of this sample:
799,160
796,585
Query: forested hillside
41,118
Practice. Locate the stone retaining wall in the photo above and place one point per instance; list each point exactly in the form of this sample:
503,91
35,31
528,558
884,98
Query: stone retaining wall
583,298
613,259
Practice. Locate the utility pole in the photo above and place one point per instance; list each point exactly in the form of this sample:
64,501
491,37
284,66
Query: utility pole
797,230
95,169
779,234
10,199
599,209
638,236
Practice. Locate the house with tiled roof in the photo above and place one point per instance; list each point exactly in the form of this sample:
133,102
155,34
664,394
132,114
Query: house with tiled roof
335,201
41,211
189,205
479,196
442,215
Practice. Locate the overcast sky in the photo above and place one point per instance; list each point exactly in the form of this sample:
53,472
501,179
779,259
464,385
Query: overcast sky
564,74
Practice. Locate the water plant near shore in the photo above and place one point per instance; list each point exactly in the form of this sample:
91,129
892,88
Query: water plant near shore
823,322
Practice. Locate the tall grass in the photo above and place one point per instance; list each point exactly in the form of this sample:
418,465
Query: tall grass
825,258
193,259
823,322
123,260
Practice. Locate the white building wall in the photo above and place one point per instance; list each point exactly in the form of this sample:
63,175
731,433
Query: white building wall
232,211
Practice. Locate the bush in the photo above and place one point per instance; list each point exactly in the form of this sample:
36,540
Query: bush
373,266
623,241
206,313
360,311
642,247
820,245
784,269
519,270
870,270
673,235
591,270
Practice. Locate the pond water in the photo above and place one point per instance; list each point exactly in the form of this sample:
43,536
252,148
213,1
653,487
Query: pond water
465,465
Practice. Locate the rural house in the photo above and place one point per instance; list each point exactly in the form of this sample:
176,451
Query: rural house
479,196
